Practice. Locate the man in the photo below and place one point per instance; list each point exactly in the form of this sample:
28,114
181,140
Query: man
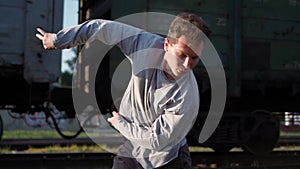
161,102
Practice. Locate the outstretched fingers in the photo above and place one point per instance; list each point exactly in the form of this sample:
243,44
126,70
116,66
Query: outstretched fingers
40,37
41,31
41,34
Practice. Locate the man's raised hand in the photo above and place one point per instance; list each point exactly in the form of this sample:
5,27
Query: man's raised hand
46,38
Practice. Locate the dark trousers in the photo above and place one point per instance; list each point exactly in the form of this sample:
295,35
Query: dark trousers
183,161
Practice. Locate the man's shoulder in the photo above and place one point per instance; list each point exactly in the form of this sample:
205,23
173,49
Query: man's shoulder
154,40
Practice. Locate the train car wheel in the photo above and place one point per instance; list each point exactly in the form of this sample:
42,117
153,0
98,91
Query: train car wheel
264,136
222,148
66,132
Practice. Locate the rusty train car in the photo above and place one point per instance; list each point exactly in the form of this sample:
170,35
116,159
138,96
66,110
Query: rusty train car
257,41
27,72
258,44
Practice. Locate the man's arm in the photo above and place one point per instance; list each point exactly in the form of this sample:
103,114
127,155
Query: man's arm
106,31
167,130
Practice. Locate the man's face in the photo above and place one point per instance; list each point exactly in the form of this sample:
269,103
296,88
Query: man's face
180,58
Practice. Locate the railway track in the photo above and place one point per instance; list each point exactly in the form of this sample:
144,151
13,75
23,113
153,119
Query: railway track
274,160
208,160
289,141
23,143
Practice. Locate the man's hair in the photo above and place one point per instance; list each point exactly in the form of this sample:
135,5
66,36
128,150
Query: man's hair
188,24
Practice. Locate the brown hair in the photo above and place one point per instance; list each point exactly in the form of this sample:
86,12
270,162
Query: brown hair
188,24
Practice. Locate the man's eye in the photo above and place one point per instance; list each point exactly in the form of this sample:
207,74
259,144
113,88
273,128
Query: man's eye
182,56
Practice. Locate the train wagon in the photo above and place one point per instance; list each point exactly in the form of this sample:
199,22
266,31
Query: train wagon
27,71
258,44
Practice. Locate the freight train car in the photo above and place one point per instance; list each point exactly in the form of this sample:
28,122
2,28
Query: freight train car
27,71
258,43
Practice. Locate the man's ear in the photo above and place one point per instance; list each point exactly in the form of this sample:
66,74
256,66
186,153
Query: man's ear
166,44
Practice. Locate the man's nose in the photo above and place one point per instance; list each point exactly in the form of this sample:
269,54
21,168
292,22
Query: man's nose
187,62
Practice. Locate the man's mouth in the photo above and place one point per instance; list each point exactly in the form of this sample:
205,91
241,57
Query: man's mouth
181,70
